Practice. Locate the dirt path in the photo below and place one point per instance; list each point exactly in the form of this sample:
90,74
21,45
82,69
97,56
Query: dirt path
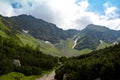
48,76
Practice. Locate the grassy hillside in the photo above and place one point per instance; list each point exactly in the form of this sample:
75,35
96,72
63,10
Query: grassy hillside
4,29
46,48
49,48
17,76
2,25
26,39
12,76
85,51
102,45
8,31
3,34
65,48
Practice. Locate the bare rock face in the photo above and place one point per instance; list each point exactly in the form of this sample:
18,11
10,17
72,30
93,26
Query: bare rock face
16,62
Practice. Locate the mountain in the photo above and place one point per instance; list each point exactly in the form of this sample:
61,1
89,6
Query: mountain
39,33
71,32
23,35
94,35
40,29
9,31
52,40
21,54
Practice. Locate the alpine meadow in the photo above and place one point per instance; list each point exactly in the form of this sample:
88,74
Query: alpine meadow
59,40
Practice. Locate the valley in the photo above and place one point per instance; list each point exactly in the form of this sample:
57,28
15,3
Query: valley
62,42
40,47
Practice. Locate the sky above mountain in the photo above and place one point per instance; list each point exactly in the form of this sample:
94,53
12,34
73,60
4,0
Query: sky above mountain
67,14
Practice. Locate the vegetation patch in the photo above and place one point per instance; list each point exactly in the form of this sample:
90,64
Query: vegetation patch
103,64
33,61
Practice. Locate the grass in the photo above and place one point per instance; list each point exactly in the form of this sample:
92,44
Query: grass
12,76
46,48
85,51
27,39
3,34
3,30
20,76
29,78
65,48
103,45
3,27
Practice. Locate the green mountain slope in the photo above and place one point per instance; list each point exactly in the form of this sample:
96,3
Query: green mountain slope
46,48
10,31
102,45
3,29
49,48
66,48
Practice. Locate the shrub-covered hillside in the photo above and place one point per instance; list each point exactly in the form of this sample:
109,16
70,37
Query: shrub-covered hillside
103,64
26,60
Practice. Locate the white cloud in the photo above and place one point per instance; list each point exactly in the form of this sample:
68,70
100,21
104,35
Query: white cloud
6,9
110,19
83,4
64,13
110,11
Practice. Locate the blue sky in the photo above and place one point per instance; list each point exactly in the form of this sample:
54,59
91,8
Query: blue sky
16,5
97,5
67,14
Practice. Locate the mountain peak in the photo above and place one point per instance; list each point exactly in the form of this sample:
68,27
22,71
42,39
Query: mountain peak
96,27
25,15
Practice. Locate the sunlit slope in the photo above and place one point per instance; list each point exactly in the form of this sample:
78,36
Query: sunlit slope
46,48
66,48
22,38
3,29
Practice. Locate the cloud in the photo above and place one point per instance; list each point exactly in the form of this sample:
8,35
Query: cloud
111,18
65,14
110,11
6,9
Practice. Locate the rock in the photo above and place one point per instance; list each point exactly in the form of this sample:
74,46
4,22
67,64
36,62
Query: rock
16,62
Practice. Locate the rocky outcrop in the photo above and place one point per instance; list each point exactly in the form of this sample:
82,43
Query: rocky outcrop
16,62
